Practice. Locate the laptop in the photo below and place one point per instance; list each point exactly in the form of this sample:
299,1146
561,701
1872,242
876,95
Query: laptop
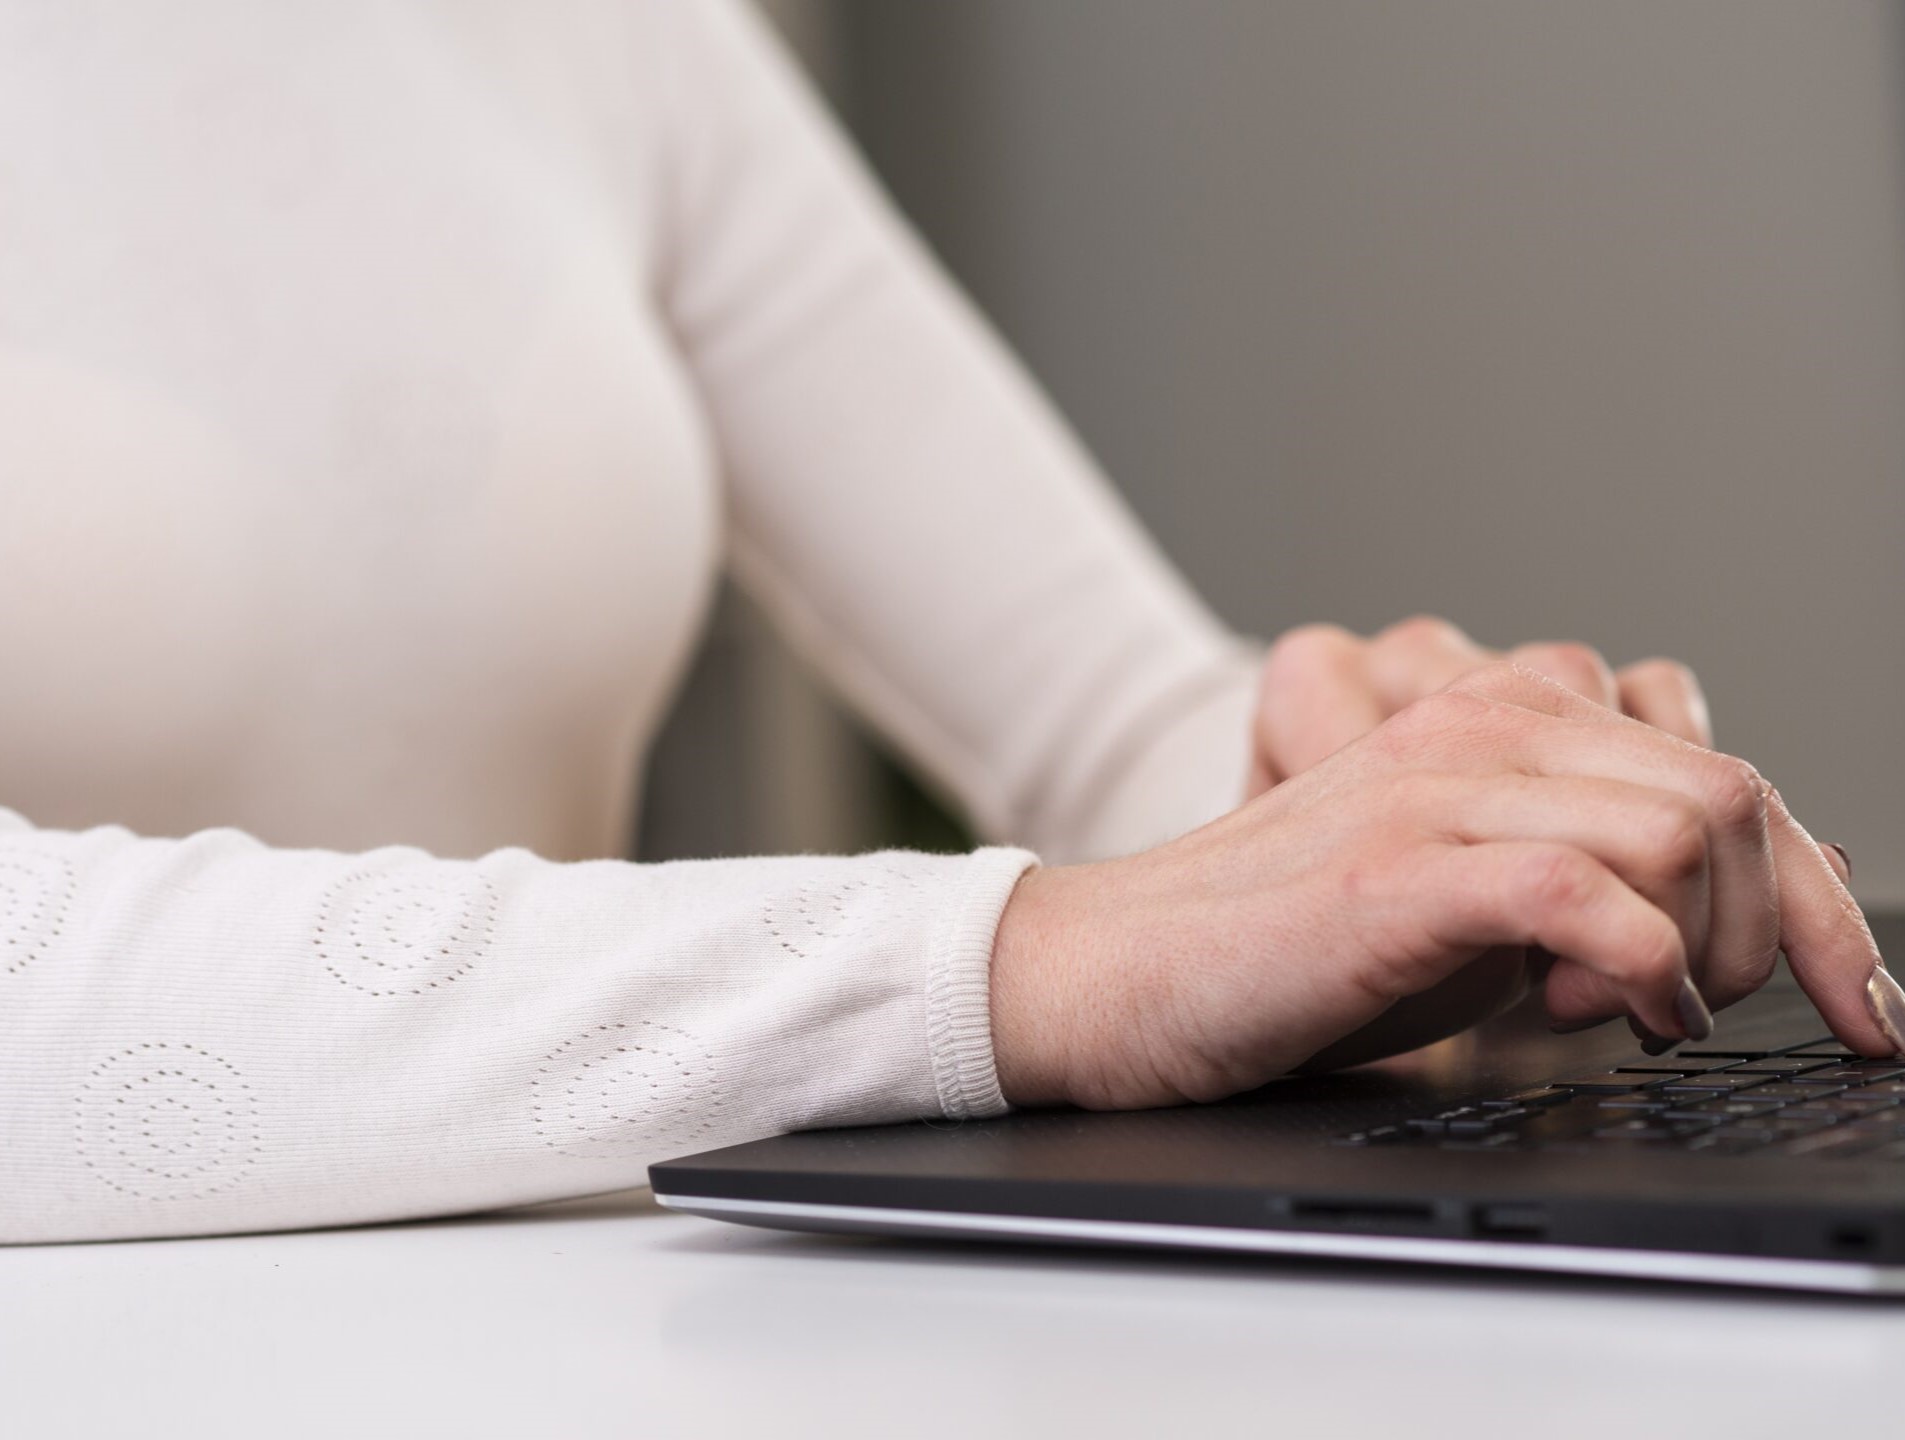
1767,1155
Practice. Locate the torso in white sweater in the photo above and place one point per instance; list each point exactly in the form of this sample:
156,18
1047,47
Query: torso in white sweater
381,387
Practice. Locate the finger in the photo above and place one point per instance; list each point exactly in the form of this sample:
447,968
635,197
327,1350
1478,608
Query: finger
1587,739
1742,939
1566,901
1419,656
1260,779
1655,840
1315,698
1665,694
1840,861
1772,885
1579,667
1828,945
1650,1043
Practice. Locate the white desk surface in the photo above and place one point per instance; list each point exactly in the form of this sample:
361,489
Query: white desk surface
612,1317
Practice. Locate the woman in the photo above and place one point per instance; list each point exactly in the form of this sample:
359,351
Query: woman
380,388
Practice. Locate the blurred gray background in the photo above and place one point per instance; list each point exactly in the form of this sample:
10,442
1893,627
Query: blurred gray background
1561,320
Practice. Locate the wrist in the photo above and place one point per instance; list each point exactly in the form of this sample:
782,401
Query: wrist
1031,1015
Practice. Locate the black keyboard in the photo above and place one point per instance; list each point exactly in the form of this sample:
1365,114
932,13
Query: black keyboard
1815,1098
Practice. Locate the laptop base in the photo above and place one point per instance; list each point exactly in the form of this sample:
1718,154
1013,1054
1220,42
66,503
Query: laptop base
1837,1276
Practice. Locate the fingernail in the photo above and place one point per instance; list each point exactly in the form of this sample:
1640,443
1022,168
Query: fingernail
1887,1004
1650,1043
1845,860
1697,1020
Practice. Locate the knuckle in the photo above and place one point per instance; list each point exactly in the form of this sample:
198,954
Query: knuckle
1417,793
1658,669
1675,837
1759,969
1423,632
1741,977
1498,677
1660,953
1737,795
1308,646
1372,874
1582,660
1436,718
1359,883
1555,880
1578,666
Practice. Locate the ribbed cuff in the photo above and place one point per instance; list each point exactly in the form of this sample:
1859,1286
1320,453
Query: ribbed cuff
959,987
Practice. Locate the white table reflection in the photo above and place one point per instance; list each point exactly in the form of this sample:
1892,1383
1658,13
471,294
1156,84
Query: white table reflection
612,1317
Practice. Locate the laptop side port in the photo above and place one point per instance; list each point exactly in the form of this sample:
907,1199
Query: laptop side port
1851,1240
1510,1222
1335,1214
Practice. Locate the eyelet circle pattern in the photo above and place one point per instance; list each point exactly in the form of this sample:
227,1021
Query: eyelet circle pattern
405,932
622,1091
167,1121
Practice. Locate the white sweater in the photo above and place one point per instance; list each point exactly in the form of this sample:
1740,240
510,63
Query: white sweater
381,387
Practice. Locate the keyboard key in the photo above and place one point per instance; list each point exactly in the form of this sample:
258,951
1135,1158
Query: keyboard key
1723,1054
1479,1122
1780,1067
1729,1106
1563,1123
1540,1095
1849,1075
1500,1140
1611,1081
1684,1124
1643,1129
1823,1110
1781,1125
1378,1135
1787,1091
1713,1083
1671,1065
1642,1100
1438,1123
1839,1053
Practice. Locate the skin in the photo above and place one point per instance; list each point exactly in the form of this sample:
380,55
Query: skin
1433,829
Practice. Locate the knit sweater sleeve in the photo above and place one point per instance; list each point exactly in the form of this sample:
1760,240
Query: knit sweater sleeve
905,502
208,1034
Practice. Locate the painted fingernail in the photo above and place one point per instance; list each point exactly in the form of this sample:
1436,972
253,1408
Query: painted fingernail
1845,860
1657,1045
1695,1018
1887,1003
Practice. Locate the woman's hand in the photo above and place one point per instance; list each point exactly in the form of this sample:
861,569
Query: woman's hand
1322,687
1505,811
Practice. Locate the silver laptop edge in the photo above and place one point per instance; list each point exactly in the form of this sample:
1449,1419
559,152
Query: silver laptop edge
1840,1276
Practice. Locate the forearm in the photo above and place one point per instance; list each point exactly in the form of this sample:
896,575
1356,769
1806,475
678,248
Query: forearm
209,1035
1181,761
